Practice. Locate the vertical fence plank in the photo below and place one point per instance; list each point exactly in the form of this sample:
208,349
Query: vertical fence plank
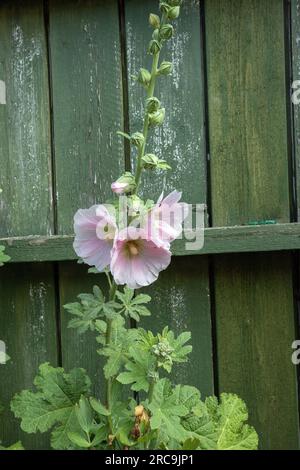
87,112
27,318
295,37
80,350
27,297
181,297
25,158
249,178
87,103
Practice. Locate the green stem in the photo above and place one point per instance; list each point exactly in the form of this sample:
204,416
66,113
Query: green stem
150,94
112,294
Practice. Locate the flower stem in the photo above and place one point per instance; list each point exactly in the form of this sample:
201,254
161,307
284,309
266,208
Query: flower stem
112,294
150,94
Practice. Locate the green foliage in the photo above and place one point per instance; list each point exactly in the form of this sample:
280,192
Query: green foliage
222,425
171,416
3,257
133,307
53,404
90,308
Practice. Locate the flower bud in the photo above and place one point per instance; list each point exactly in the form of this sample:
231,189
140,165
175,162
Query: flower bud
154,20
166,31
125,184
174,3
138,411
154,47
165,68
150,161
152,104
157,118
144,77
173,13
164,7
137,139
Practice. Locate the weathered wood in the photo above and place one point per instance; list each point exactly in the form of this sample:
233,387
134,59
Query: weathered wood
295,47
87,103
87,112
25,157
80,350
217,240
181,296
181,140
249,171
27,313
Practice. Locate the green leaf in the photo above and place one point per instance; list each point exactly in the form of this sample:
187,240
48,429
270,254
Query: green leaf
78,440
233,433
124,134
98,407
84,414
117,351
166,411
53,404
17,446
133,307
3,257
138,370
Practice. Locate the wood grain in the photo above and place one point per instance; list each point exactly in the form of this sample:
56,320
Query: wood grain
87,103
25,157
181,295
249,179
28,328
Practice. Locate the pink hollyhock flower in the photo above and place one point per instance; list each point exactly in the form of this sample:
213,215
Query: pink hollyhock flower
164,221
119,188
95,229
137,259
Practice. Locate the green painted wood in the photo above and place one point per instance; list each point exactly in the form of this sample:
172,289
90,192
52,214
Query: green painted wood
27,313
87,113
181,141
27,297
25,159
295,47
181,296
249,179
217,240
80,350
87,103
181,300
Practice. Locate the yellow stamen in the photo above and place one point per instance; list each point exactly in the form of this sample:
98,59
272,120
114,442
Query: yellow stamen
133,249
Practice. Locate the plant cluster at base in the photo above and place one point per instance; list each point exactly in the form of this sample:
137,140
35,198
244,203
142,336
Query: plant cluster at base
140,407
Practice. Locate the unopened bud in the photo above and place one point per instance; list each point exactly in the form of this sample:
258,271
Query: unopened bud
144,77
138,411
164,7
154,47
166,31
137,139
174,3
173,13
165,68
153,104
125,184
154,20
157,118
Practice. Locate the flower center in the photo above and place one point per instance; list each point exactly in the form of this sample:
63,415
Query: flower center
132,248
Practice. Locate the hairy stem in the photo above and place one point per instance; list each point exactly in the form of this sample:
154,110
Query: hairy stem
150,94
112,294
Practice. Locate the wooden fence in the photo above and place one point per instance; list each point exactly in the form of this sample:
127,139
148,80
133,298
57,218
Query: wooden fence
233,140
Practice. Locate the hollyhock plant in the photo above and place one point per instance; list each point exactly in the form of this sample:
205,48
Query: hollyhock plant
156,414
137,259
95,231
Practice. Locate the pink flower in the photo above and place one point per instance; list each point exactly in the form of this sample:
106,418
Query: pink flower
119,188
137,259
95,230
164,221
